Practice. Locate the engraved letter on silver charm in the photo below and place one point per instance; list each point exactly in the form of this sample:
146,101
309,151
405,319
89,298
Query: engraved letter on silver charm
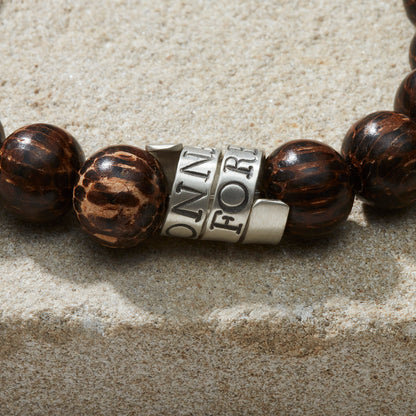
191,190
234,194
213,199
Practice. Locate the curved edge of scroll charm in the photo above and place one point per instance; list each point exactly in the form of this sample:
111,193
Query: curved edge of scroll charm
190,195
167,155
267,222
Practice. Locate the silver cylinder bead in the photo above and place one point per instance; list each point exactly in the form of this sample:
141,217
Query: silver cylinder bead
234,194
190,195
215,197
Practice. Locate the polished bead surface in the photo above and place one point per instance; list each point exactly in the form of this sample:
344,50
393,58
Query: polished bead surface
410,6
405,100
2,135
39,166
313,179
381,152
121,197
412,53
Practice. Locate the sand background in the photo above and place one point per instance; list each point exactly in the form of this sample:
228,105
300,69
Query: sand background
175,327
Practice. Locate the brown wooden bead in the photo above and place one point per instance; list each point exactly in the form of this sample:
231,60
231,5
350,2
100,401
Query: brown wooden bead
412,53
381,152
313,179
405,100
2,135
38,168
121,196
410,6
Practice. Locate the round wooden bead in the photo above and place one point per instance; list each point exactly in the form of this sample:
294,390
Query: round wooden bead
381,152
2,135
412,53
410,6
121,196
405,100
39,166
313,179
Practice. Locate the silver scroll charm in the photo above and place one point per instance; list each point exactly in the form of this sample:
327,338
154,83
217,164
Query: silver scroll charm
213,197
234,194
190,194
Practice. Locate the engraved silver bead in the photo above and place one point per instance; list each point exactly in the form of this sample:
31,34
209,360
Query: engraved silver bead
191,191
214,197
234,194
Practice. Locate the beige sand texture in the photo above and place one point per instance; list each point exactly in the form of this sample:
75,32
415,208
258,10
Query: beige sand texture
177,327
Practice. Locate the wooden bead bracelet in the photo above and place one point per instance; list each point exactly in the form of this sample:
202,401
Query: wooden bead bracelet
123,195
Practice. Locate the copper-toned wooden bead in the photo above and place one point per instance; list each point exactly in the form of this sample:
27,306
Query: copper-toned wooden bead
410,6
381,152
412,53
313,179
405,100
38,168
121,196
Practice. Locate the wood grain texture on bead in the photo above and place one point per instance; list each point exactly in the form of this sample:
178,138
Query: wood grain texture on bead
405,99
412,53
410,6
39,166
2,135
381,152
313,179
121,196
